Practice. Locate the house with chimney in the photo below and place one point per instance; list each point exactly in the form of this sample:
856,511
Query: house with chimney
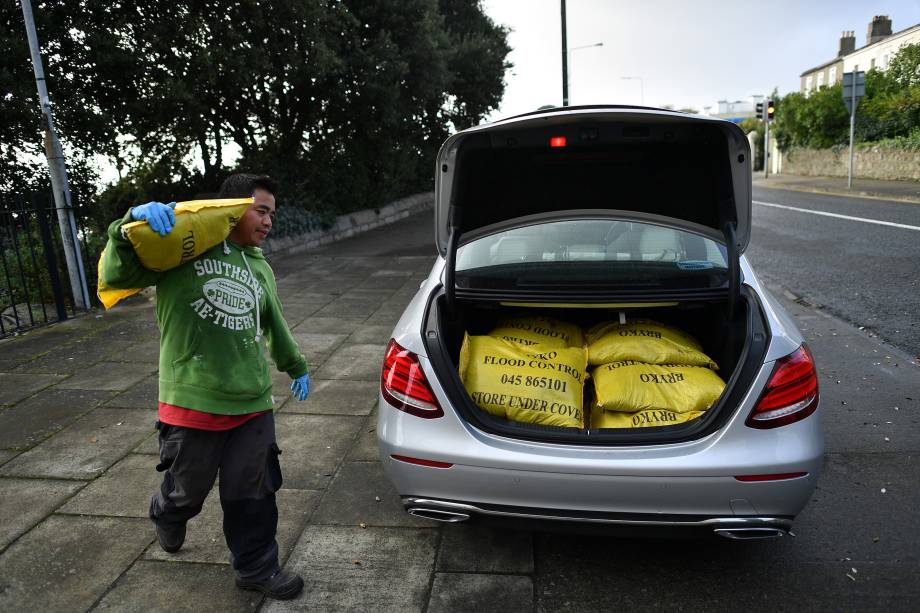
881,45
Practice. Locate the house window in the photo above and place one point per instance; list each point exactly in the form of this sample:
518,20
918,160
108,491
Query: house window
820,80
871,63
832,77
808,84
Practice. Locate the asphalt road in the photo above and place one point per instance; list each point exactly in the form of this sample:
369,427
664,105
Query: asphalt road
863,272
857,546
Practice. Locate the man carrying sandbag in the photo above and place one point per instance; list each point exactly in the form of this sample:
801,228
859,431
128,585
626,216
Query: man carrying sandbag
215,403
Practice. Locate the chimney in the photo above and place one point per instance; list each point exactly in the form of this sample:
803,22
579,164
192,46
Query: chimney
879,28
847,43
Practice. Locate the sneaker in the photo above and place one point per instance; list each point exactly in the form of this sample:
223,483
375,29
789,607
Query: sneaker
282,585
171,538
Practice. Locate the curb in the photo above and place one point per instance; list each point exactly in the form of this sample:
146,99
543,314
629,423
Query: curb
845,194
351,224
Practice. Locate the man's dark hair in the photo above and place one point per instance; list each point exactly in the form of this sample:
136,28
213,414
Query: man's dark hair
243,184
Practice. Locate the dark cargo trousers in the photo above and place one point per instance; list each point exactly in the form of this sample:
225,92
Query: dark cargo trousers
247,458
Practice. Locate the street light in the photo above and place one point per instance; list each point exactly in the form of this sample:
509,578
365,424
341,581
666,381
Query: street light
569,71
641,88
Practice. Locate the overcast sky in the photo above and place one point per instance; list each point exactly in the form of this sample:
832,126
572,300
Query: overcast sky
688,52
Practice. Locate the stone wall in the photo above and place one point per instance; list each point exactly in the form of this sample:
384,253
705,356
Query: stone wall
873,162
351,224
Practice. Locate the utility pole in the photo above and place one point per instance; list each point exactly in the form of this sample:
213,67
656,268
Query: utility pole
565,60
58,172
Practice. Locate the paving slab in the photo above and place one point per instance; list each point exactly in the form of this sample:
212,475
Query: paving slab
25,502
469,593
150,445
354,362
328,325
7,455
315,344
485,549
355,308
337,397
161,586
67,563
204,541
312,447
385,317
30,421
114,376
142,395
352,569
123,491
365,448
74,357
371,334
351,500
147,351
16,386
85,448
38,342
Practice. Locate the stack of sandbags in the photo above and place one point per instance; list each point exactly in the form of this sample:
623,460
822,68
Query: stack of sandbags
648,374
529,370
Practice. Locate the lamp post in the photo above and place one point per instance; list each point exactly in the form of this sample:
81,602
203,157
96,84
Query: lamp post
569,72
641,88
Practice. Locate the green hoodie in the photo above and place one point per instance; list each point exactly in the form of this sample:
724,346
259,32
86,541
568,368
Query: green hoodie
211,356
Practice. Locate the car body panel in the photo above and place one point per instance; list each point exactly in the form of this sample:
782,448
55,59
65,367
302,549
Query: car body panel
737,153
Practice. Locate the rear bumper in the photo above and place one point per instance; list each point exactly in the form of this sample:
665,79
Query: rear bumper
580,497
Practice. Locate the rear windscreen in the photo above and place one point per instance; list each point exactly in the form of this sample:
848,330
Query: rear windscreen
592,252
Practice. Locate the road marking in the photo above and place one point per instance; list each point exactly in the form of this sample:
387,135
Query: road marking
839,216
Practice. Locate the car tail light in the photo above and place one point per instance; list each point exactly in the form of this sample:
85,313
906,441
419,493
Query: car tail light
404,385
557,141
791,394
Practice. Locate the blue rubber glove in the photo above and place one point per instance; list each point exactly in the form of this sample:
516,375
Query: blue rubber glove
160,216
301,387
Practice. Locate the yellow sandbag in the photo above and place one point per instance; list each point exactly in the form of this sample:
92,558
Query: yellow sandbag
110,296
200,224
630,386
640,419
538,329
535,384
644,340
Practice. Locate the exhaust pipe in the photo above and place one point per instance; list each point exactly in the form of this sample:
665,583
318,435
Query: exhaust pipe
438,515
751,534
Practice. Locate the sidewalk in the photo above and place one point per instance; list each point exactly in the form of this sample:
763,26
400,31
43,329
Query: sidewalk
906,191
78,447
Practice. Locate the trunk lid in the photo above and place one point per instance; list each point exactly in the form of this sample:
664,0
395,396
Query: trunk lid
691,172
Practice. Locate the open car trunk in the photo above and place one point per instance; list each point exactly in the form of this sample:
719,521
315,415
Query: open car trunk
737,344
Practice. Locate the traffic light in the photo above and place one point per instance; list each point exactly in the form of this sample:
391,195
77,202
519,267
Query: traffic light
771,110
760,110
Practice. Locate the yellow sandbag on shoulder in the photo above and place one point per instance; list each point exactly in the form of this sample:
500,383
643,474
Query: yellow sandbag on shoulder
530,384
640,419
110,296
644,340
200,224
630,386
538,329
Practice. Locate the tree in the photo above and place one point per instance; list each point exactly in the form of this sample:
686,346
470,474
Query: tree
904,67
346,102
